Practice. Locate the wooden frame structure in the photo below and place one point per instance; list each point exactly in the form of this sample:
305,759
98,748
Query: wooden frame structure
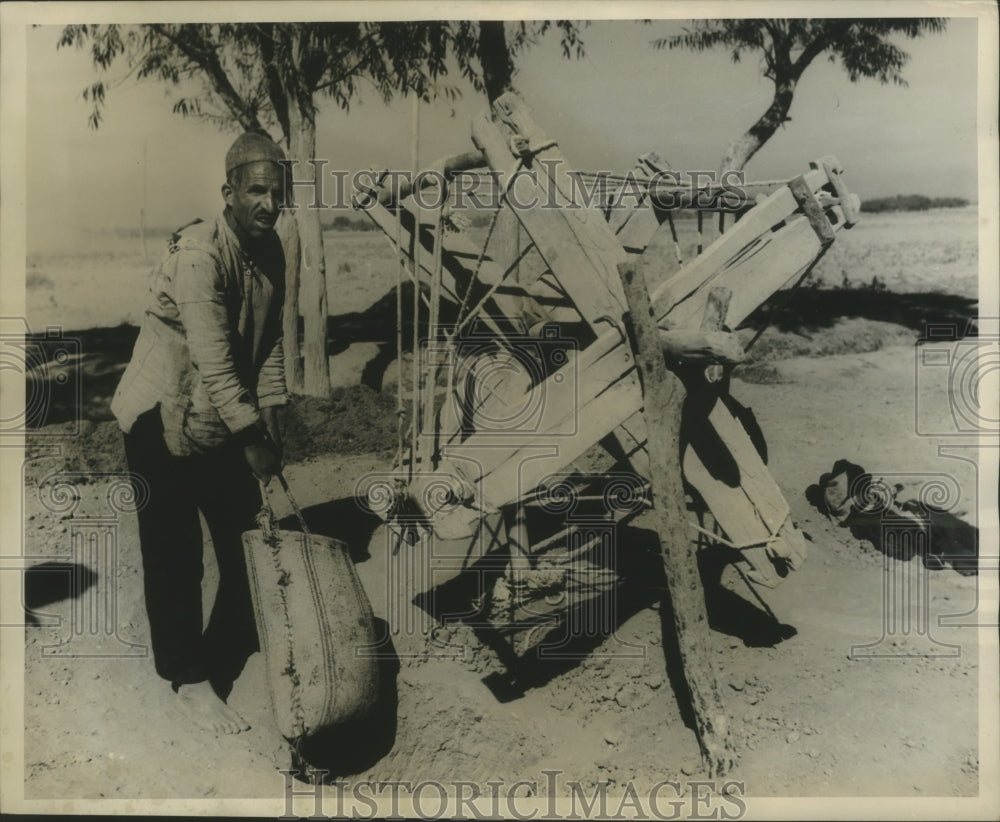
489,423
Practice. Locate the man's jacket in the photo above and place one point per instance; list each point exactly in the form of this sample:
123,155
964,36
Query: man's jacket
209,350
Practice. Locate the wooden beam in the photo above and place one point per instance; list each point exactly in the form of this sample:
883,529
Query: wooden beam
597,390
635,226
759,225
663,394
576,244
848,201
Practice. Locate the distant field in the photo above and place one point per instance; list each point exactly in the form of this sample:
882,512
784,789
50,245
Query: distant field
100,280
909,252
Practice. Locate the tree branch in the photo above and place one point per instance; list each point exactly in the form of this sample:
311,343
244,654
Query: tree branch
815,47
201,53
345,73
275,88
494,58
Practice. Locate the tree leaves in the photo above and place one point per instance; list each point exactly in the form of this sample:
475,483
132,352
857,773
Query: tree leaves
250,73
788,46
862,45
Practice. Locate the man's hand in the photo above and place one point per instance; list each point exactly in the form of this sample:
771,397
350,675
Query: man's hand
264,461
262,454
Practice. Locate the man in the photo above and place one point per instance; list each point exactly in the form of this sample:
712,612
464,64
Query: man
197,405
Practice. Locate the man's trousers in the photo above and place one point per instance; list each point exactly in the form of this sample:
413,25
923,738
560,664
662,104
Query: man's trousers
221,486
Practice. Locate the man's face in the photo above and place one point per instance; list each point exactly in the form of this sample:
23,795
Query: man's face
255,196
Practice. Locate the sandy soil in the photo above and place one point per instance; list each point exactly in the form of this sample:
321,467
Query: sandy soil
810,717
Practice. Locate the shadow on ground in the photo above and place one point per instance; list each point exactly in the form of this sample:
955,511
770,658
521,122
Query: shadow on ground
51,582
354,747
810,309
544,643
341,519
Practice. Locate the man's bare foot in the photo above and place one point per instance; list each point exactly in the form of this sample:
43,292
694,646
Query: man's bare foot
199,703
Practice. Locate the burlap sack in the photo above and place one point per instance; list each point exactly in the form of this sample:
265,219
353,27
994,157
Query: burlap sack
315,623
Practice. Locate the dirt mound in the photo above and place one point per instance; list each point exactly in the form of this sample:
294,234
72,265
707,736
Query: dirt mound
86,448
352,420
852,335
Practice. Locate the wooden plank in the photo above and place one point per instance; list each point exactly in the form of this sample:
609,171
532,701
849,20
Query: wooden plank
734,508
758,221
631,435
501,482
636,226
753,273
390,225
751,503
636,229
592,233
568,426
576,244
753,471
460,255
752,511
602,247
604,397
812,209
663,394
771,262
514,115
749,286
509,243
848,201
606,362
755,510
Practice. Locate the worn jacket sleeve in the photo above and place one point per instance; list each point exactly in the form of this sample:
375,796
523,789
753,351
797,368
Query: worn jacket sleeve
199,292
271,387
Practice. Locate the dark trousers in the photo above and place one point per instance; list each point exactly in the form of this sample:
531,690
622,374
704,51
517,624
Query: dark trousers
221,486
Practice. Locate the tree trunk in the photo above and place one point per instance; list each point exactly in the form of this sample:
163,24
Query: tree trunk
494,58
743,148
312,268
288,231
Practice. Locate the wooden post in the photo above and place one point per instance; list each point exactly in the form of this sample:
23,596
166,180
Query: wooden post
288,233
312,266
663,395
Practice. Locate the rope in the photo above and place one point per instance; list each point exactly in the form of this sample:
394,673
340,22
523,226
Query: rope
434,318
418,382
268,525
479,264
400,410
509,178
646,187
267,521
295,507
465,298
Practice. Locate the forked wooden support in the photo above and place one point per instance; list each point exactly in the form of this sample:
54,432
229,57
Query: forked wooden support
663,395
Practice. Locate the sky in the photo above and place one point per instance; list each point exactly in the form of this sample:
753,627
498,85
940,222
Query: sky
622,99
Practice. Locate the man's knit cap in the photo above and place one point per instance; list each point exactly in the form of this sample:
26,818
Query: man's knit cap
252,148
